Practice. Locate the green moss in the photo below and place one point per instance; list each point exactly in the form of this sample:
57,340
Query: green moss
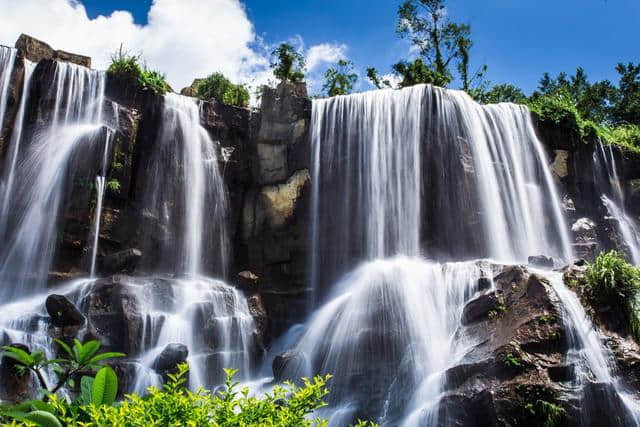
540,406
499,309
513,361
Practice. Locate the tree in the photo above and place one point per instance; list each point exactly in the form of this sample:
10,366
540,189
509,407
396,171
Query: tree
502,93
626,108
416,72
439,41
288,64
218,87
376,80
339,80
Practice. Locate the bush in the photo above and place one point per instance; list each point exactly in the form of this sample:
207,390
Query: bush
174,405
218,87
124,63
613,281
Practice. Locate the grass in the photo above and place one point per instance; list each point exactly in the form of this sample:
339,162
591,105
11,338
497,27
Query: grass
124,63
613,281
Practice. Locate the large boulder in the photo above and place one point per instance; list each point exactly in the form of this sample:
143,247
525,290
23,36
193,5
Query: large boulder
289,365
36,50
121,262
480,307
170,357
63,312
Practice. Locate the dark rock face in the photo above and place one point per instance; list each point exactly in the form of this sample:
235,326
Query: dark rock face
63,312
479,308
14,387
170,358
287,365
121,262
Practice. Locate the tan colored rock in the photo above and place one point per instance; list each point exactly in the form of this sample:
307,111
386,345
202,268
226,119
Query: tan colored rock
272,163
560,163
191,90
36,50
278,202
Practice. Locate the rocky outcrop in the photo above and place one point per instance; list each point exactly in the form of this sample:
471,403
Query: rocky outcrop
170,357
63,312
35,51
16,386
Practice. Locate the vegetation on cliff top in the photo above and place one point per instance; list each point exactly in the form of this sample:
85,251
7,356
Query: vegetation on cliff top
218,87
126,64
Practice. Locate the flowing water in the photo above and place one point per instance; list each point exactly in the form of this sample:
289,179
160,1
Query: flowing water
7,61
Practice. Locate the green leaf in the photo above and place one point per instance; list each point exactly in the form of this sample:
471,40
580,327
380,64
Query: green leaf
88,350
104,356
42,406
19,355
86,384
43,419
105,387
65,347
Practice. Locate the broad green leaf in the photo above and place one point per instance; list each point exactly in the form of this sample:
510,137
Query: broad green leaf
88,350
43,419
105,387
86,383
18,354
104,356
42,406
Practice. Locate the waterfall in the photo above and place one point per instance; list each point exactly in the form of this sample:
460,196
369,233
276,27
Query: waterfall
7,60
612,197
395,172
100,187
42,179
6,185
182,185
183,182
587,352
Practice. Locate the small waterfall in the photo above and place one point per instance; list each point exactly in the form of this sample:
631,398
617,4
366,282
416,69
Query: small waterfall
42,178
100,187
593,360
612,197
183,183
7,61
6,185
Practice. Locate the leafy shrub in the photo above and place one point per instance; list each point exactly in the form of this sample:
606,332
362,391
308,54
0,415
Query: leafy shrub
113,185
218,87
124,63
288,64
612,280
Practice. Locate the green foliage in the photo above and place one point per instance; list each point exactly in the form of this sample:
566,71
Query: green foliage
441,43
513,361
376,80
539,406
127,64
339,80
288,64
218,87
113,185
501,93
613,281
104,387
498,309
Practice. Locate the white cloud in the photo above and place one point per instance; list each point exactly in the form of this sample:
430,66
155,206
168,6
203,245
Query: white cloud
183,38
324,53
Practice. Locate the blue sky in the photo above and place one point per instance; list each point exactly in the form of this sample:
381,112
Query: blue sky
518,39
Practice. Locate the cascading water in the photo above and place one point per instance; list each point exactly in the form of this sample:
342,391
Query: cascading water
100,187
7,60
483,188
612,197
41,179
395,173
183,184
6,185
593,361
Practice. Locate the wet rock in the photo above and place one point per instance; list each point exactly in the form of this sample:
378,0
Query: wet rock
170,357
289,366
559,166
540,261
63,312
259,314
479,308
602,406
16,387
512,275
121,262
484,283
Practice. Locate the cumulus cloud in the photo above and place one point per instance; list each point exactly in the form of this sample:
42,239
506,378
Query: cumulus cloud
324,53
